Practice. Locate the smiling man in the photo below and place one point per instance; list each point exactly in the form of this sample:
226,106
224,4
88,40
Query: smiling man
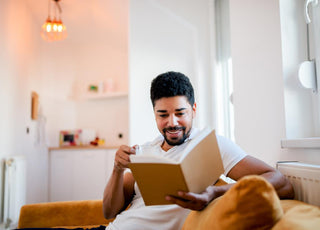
172,97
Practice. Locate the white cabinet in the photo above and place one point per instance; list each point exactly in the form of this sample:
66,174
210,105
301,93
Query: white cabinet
79,174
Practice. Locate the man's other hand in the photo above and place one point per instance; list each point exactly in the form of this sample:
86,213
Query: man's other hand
122,157
191,200
196,201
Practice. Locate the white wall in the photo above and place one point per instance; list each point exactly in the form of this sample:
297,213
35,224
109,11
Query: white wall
259,82
168,36
19,61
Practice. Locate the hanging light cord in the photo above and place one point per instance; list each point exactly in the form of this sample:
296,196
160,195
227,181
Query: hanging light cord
58,5
49,8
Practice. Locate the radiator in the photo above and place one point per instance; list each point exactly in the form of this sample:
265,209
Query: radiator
14,190
305,179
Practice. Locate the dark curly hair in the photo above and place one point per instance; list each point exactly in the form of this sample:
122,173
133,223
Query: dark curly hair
171,84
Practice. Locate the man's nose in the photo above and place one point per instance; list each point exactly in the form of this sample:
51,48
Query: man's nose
173,120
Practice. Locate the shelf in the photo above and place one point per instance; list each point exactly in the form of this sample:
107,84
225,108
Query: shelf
97,96
309,143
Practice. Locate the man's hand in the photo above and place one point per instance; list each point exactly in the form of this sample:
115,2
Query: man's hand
190,200
119,191
122,158
196,201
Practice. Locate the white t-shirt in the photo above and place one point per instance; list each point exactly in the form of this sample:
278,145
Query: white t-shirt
158,217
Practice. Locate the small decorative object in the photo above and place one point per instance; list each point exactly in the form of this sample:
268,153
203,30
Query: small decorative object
93,88
34,105
70,137
87,135
109,86
101,87
97,142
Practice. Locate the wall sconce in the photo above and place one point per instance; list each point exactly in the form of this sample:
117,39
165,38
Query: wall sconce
54,30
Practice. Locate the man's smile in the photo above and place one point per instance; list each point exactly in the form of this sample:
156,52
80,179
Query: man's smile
174,132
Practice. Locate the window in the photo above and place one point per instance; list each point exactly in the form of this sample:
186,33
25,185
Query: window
301,44
225,114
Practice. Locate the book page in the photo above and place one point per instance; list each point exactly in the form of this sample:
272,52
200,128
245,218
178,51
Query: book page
194,142
149,158
203,165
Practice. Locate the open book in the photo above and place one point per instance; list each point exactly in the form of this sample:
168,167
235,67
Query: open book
200,166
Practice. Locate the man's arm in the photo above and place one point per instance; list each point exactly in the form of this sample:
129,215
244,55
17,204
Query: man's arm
247,166
119,191
252,166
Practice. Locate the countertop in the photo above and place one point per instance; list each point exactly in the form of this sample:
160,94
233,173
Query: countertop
82,147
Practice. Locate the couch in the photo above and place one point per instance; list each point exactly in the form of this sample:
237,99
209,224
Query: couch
251,203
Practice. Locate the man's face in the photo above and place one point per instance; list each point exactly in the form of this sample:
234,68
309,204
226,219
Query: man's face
174,116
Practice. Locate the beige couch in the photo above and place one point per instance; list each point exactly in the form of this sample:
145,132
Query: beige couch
251,204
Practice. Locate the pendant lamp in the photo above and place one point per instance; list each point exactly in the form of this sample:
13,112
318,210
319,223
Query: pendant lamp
53,29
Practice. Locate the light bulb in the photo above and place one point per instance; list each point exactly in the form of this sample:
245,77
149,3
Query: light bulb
60,28
48,27
55,25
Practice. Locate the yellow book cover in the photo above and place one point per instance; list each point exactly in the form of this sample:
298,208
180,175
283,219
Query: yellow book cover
200,166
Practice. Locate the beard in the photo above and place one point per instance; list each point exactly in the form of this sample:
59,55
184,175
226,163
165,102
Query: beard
177,140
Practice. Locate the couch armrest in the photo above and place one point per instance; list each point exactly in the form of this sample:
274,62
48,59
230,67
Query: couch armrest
65,213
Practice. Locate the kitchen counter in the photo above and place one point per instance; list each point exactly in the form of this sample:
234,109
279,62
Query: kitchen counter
82,147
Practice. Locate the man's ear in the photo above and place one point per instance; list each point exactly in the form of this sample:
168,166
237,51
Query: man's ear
194,109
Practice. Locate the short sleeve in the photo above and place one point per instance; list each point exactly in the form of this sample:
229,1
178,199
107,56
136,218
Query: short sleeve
230,152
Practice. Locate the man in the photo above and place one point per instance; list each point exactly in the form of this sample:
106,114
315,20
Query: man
174,107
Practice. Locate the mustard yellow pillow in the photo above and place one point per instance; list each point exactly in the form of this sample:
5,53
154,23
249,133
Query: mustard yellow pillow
251,203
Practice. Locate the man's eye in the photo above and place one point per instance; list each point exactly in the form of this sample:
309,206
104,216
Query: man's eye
180,114
163,115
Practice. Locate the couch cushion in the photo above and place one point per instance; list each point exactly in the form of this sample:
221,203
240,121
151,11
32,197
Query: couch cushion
251,203
64,213
302,216
289,204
